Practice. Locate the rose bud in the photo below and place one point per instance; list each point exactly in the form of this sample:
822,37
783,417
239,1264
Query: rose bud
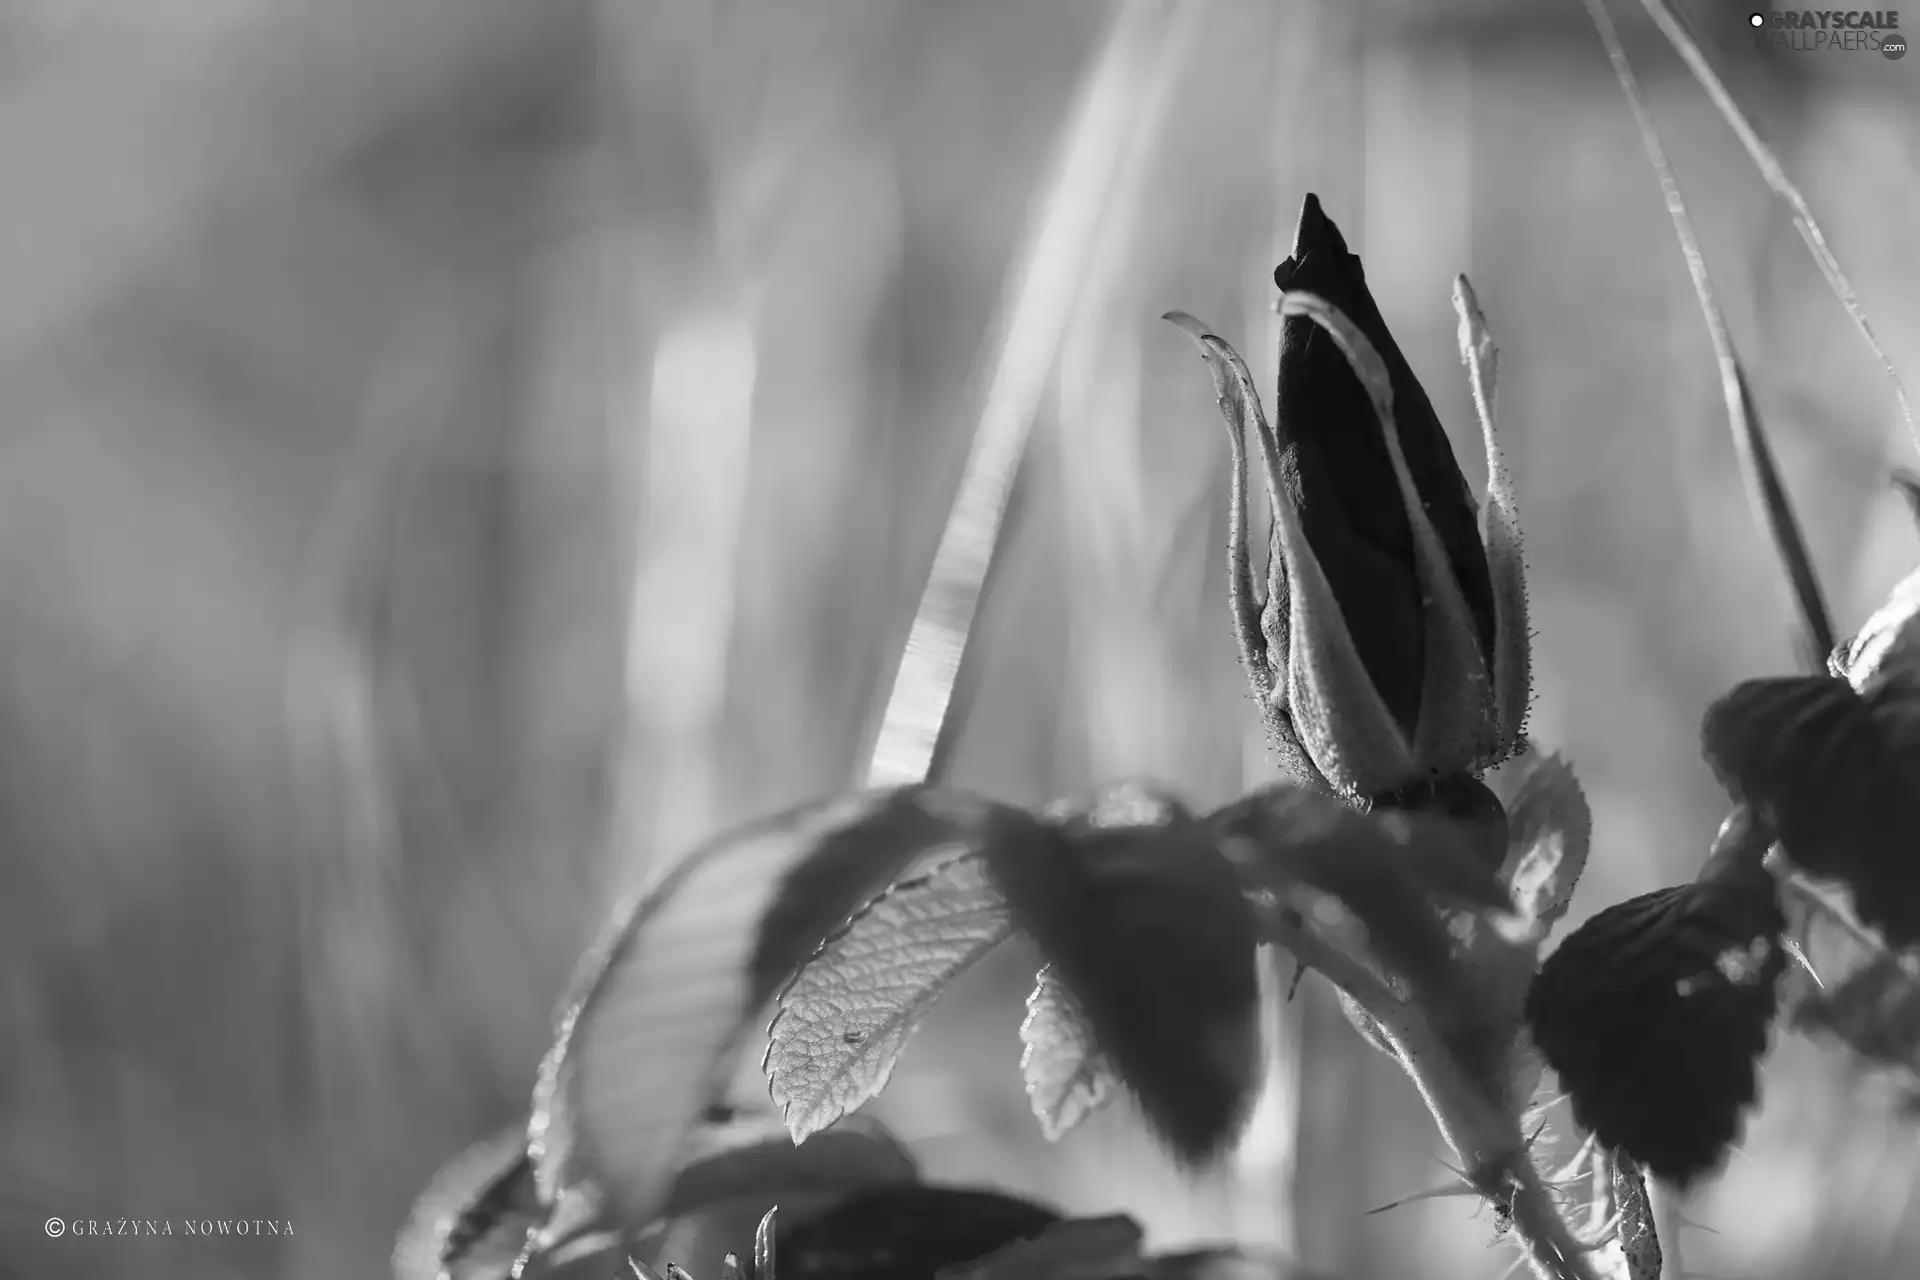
1654,1012
1390,650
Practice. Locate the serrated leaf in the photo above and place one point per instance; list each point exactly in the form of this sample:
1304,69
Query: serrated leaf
901,1232
1068,1077
1550,830
1835,772
846,1016
473,1219
1146,923
664,1000
1655,1011
1077,1249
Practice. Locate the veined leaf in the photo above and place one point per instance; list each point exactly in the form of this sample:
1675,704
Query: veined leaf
1146,923
1068,1077
847,1014
664,1000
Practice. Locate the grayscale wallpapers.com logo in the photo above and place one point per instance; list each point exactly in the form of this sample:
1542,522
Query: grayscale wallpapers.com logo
1830,31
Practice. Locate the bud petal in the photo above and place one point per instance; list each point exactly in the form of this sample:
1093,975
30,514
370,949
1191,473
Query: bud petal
1500,532
1262,631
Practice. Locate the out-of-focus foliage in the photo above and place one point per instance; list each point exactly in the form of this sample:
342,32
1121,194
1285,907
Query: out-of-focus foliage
444,440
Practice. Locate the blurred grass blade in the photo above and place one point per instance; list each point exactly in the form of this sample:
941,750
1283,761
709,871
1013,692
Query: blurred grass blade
1769,498
1776,176
1138,48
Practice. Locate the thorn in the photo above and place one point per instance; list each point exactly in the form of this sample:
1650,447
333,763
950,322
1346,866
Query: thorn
1792,948
1572,1169
641,1269
1685,1221
1447,1192
730,1268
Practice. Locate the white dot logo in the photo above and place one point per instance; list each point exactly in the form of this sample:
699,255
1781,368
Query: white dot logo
1756,19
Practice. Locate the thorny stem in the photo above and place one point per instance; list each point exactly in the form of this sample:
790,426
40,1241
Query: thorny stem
1489,1144
1487,1140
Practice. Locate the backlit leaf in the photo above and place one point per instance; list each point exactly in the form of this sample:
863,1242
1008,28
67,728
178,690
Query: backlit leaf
846,1016
664,1001
1067,1076
1550,830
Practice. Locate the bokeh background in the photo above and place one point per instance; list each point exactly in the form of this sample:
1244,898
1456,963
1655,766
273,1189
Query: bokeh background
438,435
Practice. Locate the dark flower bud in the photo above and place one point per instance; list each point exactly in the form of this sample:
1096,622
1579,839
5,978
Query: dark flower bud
1655,1011
1391,646
1339,476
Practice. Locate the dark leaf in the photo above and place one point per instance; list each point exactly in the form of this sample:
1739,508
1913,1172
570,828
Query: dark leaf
1076,1249
846,1016
1834,771
757,1162
1145,922
664,1001
1655,1011
907,1233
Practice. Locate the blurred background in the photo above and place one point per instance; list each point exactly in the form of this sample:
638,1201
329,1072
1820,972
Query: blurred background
437,433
